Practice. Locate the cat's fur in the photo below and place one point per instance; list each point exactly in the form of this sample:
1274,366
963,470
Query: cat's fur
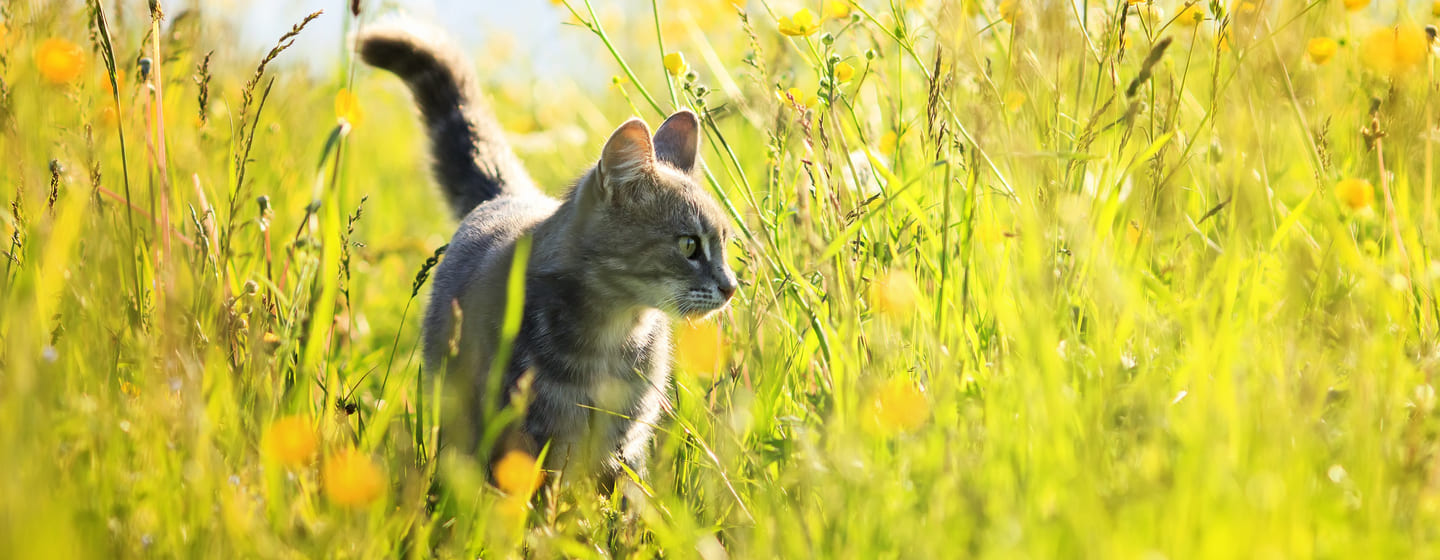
606,266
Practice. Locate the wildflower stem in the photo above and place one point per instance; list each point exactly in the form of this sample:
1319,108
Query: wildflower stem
108,50
660,40
594,26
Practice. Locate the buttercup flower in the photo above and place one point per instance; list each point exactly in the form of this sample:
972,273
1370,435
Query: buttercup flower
800,97
675,64
1392,50
291,440
1009,10
837,9
899,406
352,480
844,71
60,61
1321,49
1191,16
517,475
347,106
894,293
801,24
1014,101
1354,5
700,347
1355,194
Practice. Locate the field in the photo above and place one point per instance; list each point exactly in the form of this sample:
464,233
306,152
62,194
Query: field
1035,278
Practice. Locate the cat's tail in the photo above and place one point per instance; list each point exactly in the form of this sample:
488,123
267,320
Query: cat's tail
470,158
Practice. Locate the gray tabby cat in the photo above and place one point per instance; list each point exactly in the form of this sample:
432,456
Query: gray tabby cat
635,239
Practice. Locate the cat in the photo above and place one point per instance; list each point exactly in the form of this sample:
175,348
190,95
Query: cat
635,243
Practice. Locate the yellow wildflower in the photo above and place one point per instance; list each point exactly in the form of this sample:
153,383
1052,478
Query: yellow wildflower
60,61
675,64
347,107
801,24
798,96
899,406
837,9
894,293
1133,232
1354,5
352,480
1355,194
517,475
1435,8
1321,49
700,347
1014,101
1009,10
1191,16
291,441
844,71
1391,50
1134,2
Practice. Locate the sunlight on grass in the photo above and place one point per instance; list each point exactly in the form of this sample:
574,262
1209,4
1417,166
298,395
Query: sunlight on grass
1137,278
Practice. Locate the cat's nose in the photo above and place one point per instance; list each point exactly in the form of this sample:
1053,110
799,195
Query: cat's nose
727,285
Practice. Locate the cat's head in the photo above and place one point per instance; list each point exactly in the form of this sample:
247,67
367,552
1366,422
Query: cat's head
650,233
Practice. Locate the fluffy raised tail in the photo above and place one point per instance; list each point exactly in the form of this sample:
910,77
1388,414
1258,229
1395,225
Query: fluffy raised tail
471,160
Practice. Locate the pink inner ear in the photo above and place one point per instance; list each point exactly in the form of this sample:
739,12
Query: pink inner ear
628,150
678,140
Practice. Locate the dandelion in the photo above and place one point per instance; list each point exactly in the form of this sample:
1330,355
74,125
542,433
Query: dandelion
844,71
347,107
517,475
894,293
1355,194
1009,10
675,64
1392,50
1191,16
291,441
1321,49
700,347
899,406
60,61
801,24
837,9
352,479
1356,5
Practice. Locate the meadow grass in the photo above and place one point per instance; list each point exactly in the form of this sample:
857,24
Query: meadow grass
1019,279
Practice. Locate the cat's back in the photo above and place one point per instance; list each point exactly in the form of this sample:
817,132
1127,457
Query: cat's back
480,252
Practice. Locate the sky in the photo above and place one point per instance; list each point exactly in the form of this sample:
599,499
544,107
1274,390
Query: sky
533,27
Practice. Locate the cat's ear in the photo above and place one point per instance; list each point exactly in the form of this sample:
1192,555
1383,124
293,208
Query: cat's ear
627,154
677,141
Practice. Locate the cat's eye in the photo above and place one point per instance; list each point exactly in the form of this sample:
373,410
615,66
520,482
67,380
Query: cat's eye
689,246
